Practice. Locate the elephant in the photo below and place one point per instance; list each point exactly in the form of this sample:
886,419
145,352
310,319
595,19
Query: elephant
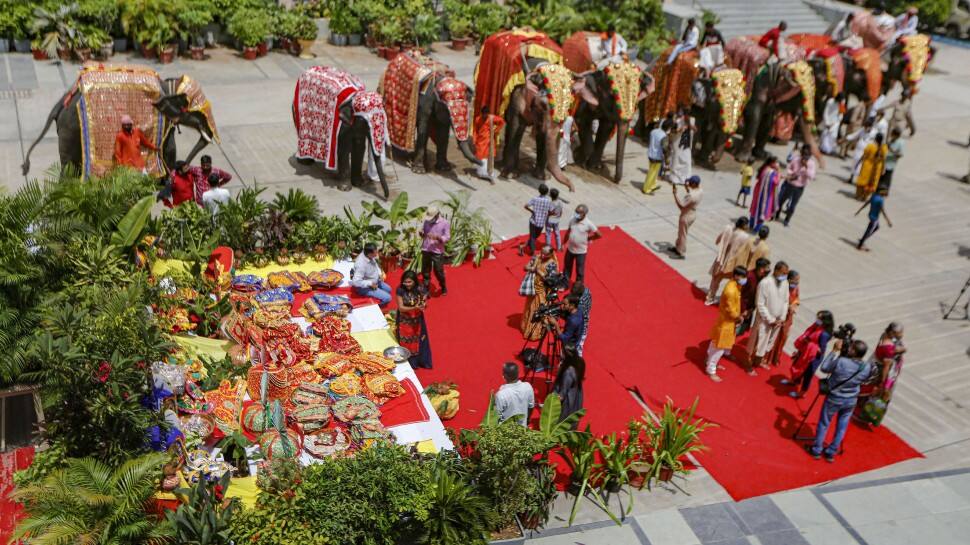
173,105
530,105
905,66
774,90
716,109
443,100
599,102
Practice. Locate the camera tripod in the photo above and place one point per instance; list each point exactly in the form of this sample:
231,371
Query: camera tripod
801,425
549,347
966,307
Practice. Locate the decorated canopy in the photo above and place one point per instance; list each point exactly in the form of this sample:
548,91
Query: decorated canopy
500,69
198,102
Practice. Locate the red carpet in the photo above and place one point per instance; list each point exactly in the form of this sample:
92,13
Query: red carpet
648,332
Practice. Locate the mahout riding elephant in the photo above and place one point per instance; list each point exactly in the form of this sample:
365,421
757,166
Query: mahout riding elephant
610,96
778,89
327,102
424,100
179,101
717,105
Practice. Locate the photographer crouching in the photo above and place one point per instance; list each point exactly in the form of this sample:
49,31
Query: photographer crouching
572,333
847,373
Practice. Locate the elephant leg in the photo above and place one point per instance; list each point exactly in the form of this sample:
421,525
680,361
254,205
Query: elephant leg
514,129
584,127
763,132
344,151
441,134
539,172
603,132
357,150
419,162
752,117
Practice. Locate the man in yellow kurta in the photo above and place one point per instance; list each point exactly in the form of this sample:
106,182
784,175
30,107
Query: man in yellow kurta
729,312
870,169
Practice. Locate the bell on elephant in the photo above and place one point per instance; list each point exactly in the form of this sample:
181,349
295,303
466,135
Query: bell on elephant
338,123
88,118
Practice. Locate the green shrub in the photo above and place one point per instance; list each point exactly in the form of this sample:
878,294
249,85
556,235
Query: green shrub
250,26
931,12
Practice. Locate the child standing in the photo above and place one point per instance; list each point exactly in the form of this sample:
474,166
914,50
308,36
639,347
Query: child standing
552,221
747,171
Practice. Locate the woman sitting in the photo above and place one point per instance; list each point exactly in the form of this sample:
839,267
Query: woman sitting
534,289
810,347
412,329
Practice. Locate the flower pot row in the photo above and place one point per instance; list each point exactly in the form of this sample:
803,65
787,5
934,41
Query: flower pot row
342,40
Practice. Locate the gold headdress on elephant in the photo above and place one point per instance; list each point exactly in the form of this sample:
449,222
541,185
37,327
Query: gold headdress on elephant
198,102
624,78
557,84
729,89
916,52
803,75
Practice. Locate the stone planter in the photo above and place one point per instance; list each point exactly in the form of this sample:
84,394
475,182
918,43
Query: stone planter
63,54
338,40
355,39
106,51
250,53
197,52
21,45
120,45
305,47
4,45
323,26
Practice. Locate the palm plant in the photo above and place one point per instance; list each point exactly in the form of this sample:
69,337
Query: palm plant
57,28
457,514
673,437
90,502
297,205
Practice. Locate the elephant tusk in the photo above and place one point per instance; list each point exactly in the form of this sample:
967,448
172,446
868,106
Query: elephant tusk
206,136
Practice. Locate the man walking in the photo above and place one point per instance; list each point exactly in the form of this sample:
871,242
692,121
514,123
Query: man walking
435,234
893,152
538,208
580,290
581,231
688,212
846,375
656,147
771,309
731,239
877,207
801,171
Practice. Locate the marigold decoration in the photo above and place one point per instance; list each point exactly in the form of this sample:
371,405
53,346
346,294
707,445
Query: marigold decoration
729,89
805,78
624,81
916,52
557,86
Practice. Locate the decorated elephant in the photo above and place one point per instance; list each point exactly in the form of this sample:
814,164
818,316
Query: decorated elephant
519,76
718,104
611,97
423,99
337,120
908,59
778,89
88,117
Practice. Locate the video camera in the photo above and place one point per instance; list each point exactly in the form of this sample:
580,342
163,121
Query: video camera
552,309
555,283
845,333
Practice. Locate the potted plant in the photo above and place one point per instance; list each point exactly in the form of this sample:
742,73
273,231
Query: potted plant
617,455
285,23
305,34
426,26
100,42
343,23
488,18
192,22
18,16
675,435
460,28
233,448
540,499
392,31
37,50
56,30
249,27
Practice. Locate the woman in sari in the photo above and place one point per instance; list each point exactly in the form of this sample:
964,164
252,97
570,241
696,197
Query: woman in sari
412,329
534,288
763,200
870,168
810,349
888,358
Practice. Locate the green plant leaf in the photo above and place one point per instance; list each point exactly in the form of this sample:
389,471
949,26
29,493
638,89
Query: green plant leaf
131,225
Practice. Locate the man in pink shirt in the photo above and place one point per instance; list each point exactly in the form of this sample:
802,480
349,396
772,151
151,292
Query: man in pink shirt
801,170
435,234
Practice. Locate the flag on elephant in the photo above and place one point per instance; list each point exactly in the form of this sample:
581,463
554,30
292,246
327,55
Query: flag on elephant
320,91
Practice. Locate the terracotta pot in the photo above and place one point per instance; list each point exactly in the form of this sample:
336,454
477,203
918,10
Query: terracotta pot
167,55
666,474
197,53
285,44
391,52
250,53
262,49
459,44
381,51
64,54
370,42
148,52
39,54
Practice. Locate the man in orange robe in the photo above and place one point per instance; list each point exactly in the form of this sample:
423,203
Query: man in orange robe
487,129
128,144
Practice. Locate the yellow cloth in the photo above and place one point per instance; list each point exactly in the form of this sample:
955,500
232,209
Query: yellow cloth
243,488
370,341
426,447
722,335
746,173
650,183
873,163
306,267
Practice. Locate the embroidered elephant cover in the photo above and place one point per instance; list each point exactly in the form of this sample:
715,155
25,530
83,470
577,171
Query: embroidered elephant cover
454,94
868,60
370,106
198,102
500,71
674,83
583,50
109,91
400,87
821,46
746,55
320,91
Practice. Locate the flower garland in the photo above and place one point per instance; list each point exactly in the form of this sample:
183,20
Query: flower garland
557,86
916,53
624,78
729,87
805,78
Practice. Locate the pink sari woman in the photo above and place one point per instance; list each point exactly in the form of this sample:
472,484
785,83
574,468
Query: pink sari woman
764,202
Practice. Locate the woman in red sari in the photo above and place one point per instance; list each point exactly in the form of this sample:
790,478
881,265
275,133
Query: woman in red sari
810,347
412,329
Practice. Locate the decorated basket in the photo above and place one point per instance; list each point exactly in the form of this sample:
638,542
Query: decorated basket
326,443
247,283
383,386
346,385
355,408
272,444
325,279
367,431
311,418
254,419
373,362
283,280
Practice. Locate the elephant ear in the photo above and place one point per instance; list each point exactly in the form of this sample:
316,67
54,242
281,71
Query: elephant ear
172,106
585,94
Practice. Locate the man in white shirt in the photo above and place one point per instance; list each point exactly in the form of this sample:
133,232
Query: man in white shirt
771,310
216,195
612,48
580,232
514,398
688,41
368,278
906,23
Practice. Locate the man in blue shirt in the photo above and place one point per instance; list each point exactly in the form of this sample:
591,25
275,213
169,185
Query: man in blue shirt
846,375
572,333
877,206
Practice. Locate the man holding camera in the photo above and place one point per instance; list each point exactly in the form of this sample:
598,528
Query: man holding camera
846,374
771,309
572,334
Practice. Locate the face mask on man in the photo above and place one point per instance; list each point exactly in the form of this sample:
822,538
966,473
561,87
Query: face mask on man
792,286
818,322
742,281
781,278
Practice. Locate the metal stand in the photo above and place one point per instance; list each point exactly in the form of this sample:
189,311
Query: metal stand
801,425
550,346
966,307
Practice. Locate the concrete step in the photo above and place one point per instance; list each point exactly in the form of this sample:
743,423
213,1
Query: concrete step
753,17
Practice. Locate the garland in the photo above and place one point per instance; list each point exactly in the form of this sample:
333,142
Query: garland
624,78
557,85
916,53
729,88
805,79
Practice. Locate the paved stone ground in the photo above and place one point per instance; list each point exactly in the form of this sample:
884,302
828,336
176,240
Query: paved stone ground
913,270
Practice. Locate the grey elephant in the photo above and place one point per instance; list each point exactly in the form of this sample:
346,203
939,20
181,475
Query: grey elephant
717,103
425,101
339,123
87,120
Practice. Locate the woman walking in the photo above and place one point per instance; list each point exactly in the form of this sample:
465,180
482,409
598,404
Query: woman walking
763,203
682,139
533,287
810,349
412,329
569,384
870,168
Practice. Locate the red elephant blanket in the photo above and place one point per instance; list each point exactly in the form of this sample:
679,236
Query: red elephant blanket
746,55
198,102
320,91
869,61
400,87
454,94
674,83
109,91
500,71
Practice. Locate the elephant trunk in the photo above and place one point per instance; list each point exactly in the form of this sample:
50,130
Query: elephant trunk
622,127
552,158
466,150
378,164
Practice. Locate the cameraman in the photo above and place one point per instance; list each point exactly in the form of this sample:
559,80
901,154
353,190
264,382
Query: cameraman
846,375
573,332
